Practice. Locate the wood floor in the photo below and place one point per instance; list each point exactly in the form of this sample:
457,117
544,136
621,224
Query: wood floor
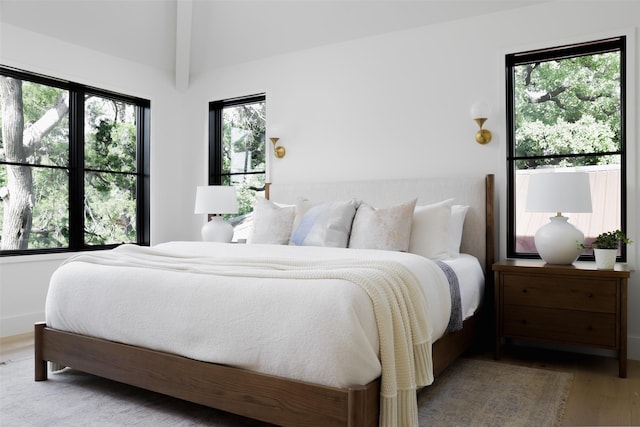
598,397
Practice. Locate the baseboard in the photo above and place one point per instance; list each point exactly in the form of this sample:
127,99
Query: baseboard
18,325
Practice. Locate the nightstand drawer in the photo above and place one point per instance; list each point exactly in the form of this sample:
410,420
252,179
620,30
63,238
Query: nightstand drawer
560,292
568,326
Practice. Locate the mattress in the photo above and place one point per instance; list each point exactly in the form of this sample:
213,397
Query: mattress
321,331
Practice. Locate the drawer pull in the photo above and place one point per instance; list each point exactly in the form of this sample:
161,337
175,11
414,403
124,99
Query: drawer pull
589,328
524,291
590,295
523,321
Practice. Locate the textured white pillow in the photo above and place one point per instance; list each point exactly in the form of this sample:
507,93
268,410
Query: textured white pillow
271,223
458,214
325,224
430,230
383,228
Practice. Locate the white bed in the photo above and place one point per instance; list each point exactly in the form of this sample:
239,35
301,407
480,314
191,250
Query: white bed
262,324
199,318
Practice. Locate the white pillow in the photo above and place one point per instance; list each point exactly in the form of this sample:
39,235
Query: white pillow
430,230
458,214
325,224
271,223
383,228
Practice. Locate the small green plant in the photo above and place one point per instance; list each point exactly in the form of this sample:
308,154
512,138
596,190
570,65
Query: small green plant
608,240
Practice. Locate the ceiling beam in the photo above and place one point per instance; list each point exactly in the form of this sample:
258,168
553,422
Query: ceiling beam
183,42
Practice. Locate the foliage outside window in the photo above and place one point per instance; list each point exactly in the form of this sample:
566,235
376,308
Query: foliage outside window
237,130
73,166
565,110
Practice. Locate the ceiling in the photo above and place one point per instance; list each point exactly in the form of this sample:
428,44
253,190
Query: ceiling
192,36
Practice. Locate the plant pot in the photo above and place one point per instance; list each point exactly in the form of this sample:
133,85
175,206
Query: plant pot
605,258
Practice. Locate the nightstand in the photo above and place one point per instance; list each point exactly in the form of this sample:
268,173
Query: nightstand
569,304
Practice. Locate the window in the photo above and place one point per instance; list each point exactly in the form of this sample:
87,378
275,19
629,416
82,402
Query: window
74,166
566,109
237,152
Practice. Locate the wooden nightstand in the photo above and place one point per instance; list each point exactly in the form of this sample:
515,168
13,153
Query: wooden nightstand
569,304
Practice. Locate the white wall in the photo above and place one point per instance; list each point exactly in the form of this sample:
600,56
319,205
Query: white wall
382,107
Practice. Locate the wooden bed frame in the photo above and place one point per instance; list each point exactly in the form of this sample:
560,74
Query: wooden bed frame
262,397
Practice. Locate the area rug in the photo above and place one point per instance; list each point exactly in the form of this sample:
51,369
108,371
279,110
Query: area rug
486,393
470,393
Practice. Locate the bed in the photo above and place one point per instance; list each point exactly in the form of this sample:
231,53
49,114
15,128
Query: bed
271,394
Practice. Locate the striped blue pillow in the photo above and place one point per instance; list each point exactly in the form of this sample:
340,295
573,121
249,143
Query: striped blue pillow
326,224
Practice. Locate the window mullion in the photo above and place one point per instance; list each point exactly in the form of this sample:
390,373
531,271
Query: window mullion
215,144
567,155
143,186
76,169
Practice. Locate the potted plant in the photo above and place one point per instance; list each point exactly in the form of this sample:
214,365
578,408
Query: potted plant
605,248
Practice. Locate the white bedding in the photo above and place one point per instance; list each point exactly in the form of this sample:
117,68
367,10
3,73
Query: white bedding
322,331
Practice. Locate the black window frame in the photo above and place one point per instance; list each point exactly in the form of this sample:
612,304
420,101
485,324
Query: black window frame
77,168
611,44
216,108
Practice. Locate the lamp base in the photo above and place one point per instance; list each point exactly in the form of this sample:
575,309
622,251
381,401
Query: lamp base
217,230
558,242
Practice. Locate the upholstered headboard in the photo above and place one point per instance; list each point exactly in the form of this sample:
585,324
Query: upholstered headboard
476,192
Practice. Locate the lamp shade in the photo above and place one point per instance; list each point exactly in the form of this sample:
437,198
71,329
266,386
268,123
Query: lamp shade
558,242
559,192
216,199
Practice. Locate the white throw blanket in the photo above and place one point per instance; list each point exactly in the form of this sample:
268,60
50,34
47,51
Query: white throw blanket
399,303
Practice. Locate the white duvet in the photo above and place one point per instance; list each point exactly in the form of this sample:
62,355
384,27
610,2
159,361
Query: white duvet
321,331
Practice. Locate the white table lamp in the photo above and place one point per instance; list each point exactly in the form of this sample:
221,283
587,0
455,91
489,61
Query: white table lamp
558,241
217,200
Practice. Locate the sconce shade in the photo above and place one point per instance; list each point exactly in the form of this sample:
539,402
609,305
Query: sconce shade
216,199
480,110
558,241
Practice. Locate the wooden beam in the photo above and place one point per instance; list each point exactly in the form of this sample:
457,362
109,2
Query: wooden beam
184,9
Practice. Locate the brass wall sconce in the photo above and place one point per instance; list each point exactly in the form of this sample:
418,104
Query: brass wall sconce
278,150
479,113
